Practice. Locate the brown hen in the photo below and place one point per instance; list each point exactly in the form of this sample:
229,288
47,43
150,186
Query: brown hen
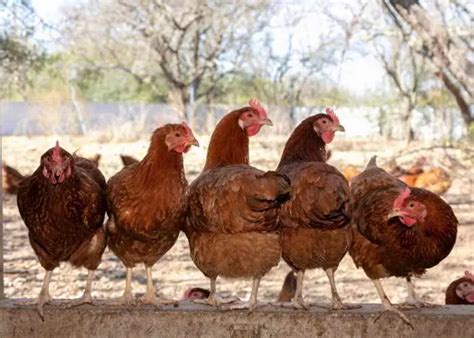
146,201
233,207
63,206
398,231
315,222
461,291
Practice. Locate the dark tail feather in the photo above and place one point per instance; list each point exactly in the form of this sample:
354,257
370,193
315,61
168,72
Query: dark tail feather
95,159
128,160
288,290
11,179
372,163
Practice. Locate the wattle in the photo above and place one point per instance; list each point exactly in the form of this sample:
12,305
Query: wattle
327,136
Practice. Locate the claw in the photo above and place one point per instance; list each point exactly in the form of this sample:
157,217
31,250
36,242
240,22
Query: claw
399,313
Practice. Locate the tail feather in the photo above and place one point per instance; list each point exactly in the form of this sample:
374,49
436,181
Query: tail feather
128,160
288,289
11,179
372,163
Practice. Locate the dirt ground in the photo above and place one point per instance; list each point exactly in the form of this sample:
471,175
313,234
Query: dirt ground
176,272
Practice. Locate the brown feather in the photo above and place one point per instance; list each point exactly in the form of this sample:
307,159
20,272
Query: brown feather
385,247
65,220
11,179
146,202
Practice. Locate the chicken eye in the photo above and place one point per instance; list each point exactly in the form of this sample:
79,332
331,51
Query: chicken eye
411,205
464,285
324,121
177,134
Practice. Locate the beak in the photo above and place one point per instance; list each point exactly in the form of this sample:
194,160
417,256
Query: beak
193,142
266,122
339,128
395,213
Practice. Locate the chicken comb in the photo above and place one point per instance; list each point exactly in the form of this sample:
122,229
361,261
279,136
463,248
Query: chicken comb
187,130
332,115
398,203
255,104
57,152
469,275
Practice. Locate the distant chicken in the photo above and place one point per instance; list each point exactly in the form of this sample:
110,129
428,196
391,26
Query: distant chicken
398,231
461,291
315,222
63,206
128,160
233,207
146,204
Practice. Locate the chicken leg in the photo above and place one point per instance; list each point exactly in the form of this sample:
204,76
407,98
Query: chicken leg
150,294
298,301
252,303
127,297
87,295
388,307
413,300
43,298
336,299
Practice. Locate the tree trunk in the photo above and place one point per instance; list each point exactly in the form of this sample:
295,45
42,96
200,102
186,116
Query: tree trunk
446,52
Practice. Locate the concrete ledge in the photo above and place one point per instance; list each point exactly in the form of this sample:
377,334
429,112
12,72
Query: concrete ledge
191,320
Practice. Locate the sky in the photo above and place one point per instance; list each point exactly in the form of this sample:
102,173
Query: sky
359,74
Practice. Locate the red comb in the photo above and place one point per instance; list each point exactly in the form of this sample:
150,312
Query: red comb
57,152
332,115
398,203
469,275
187,130
255,104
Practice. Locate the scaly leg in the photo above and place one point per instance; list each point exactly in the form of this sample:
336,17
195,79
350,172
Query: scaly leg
388,307
87,295
150,293
43,297
336,300
252,303
413,300
127,297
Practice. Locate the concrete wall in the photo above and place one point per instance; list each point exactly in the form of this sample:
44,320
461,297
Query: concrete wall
189,320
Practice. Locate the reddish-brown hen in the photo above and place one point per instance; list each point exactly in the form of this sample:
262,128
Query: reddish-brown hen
315,222
461,291
63,205
398,231
146,203
233,207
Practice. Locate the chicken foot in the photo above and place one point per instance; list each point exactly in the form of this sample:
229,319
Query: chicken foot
43,298
413,300
127,297
388,307
336,299
150,294
86,297
214,299
252,303
298,301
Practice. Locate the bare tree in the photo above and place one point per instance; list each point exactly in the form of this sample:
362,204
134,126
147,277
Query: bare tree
193,45
448,52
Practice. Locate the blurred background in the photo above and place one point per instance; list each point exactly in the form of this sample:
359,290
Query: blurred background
101,75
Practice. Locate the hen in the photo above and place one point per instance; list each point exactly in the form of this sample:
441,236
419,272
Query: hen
63,205
233,207
145,202
398,231
315,230
461,291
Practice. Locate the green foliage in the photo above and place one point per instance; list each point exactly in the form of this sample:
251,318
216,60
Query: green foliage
115,85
